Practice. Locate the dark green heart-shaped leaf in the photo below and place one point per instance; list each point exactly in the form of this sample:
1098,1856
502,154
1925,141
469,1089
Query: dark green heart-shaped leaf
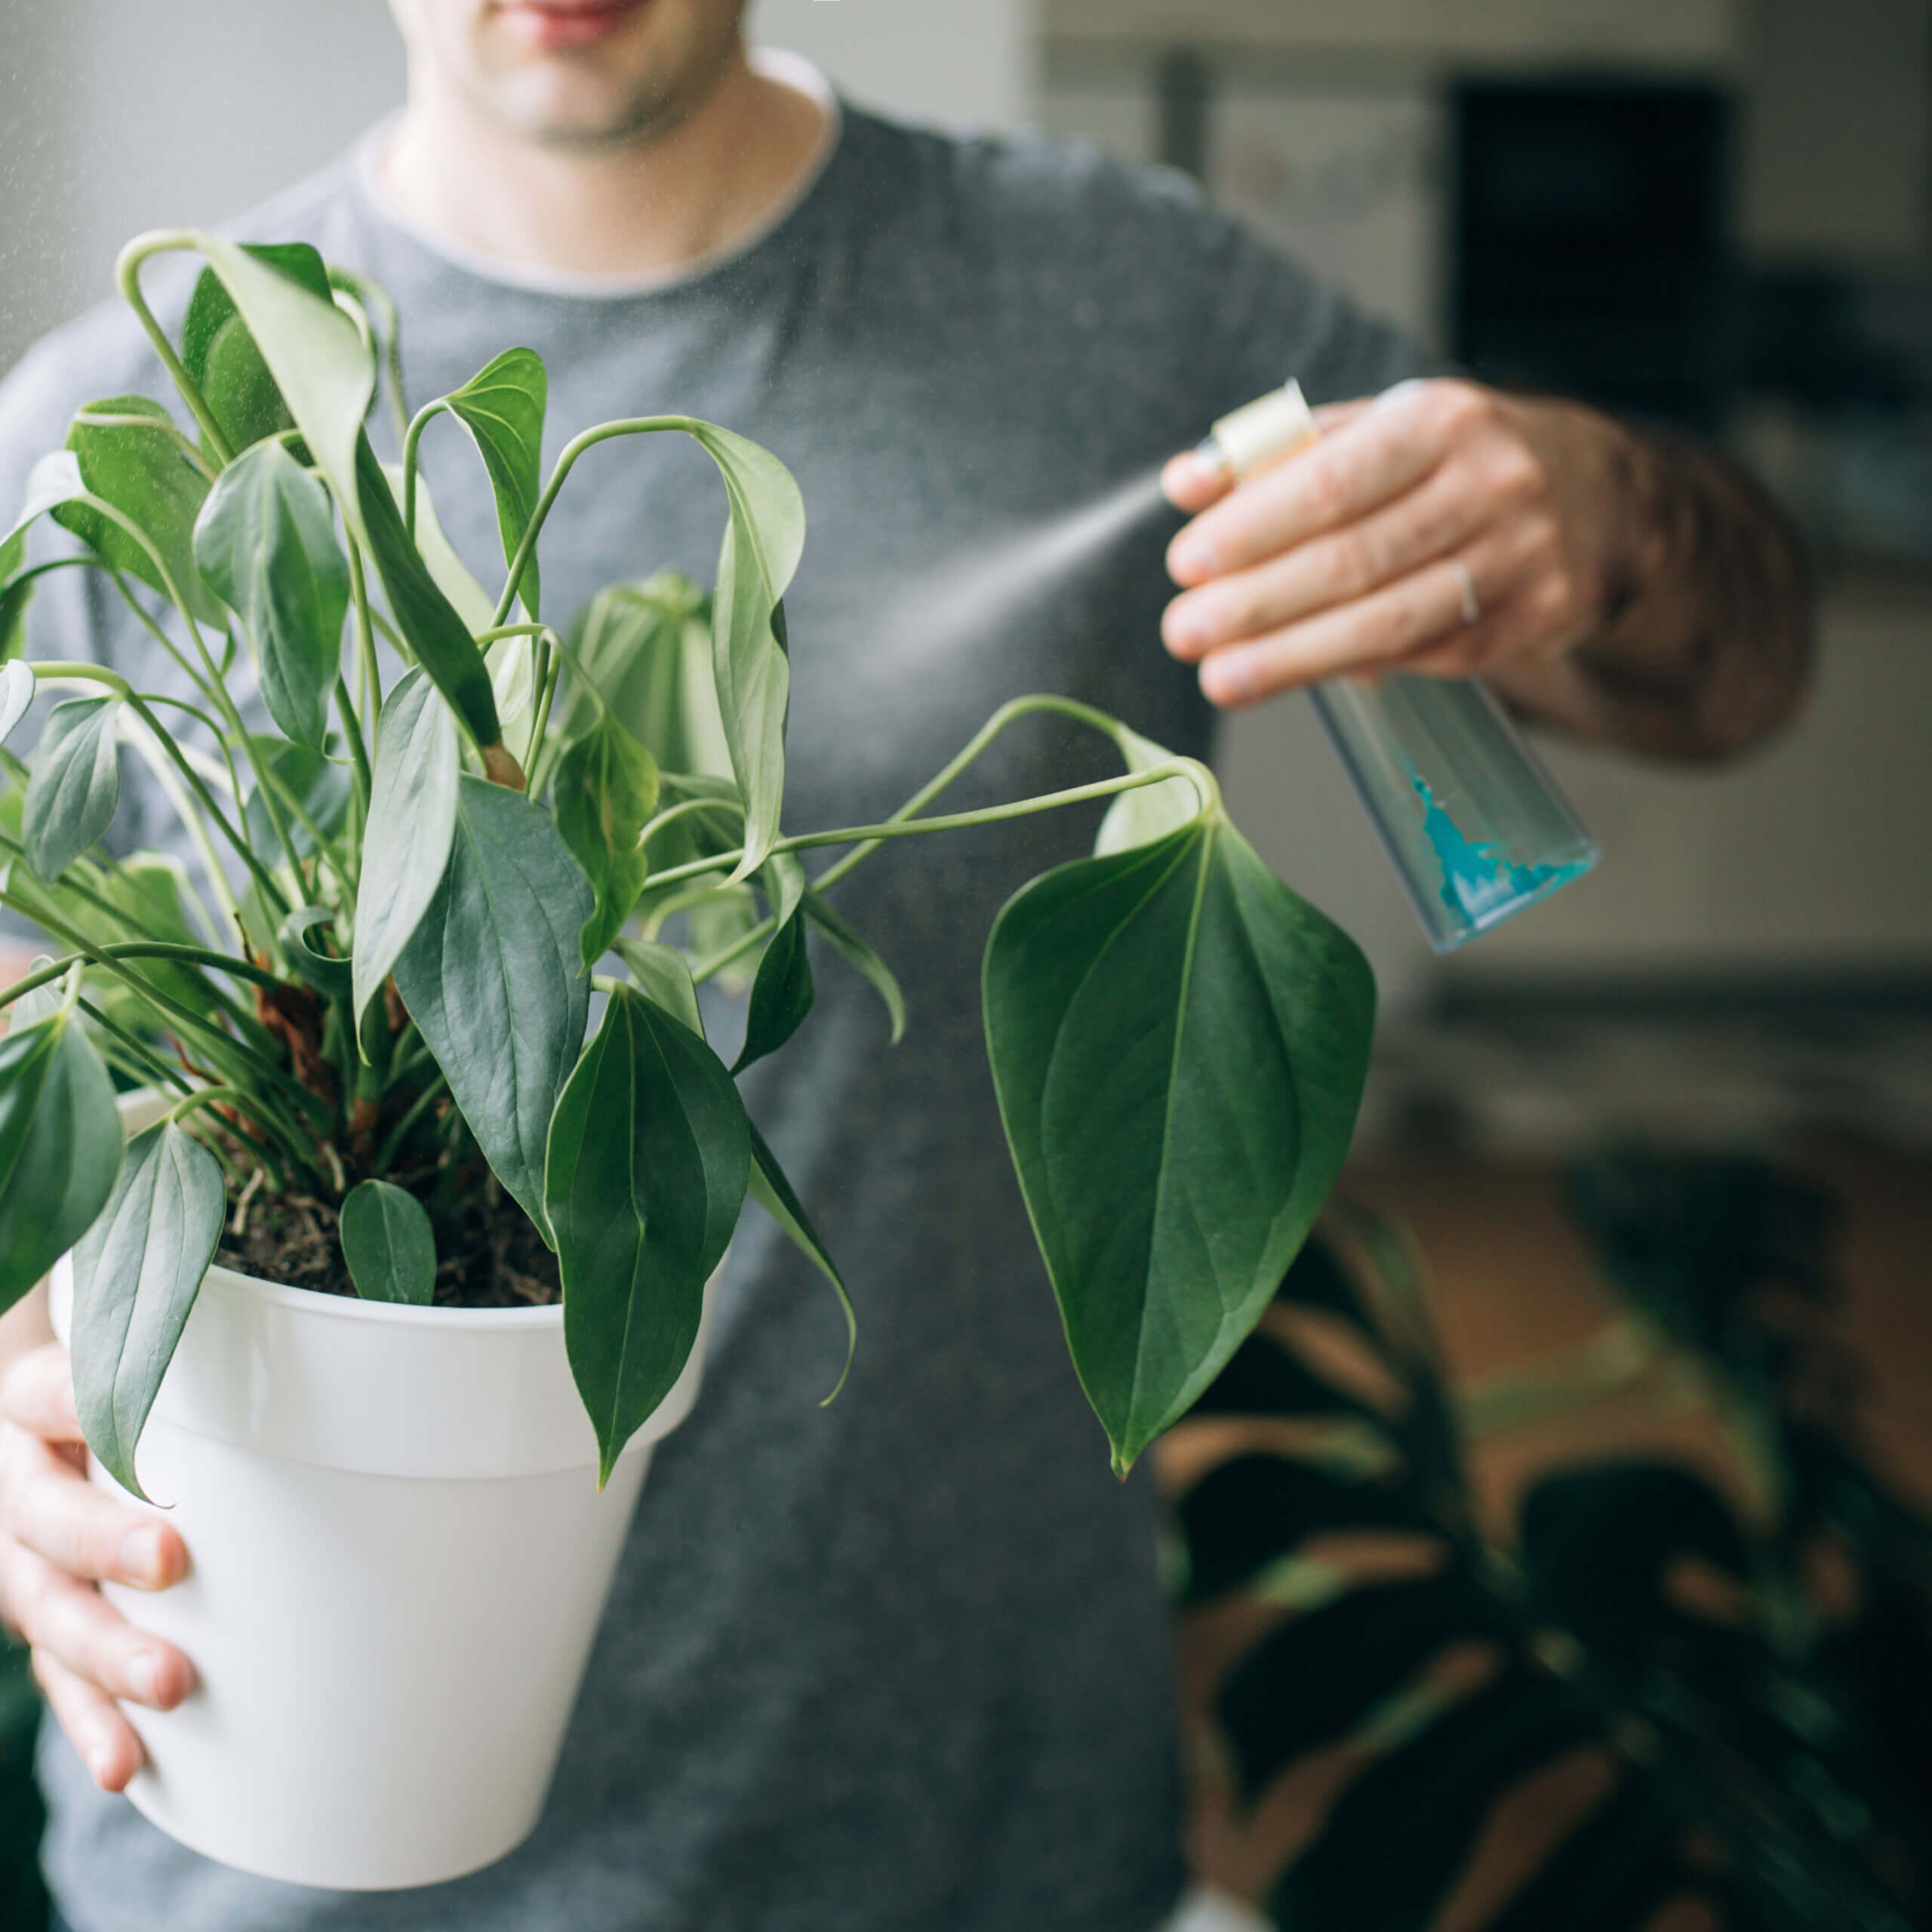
649,1158
313,791
221,357
606,789
1179,1045
17,687
492,977
265,542
763,543
782,993
428,620
502,406
59,1146
129,457
328,975
846,941
774,1194
412,821
136,1272
75,788
388,1244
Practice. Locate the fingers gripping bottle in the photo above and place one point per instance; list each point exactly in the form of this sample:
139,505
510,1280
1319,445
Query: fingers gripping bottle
1473,824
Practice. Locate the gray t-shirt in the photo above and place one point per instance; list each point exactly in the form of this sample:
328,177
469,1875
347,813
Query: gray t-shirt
903,1662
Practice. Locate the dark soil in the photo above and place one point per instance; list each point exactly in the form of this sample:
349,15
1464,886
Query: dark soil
489,1255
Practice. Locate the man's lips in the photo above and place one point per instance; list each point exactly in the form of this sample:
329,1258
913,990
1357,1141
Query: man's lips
565,23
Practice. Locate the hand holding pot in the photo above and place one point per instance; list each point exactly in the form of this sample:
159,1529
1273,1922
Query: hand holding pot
58,1538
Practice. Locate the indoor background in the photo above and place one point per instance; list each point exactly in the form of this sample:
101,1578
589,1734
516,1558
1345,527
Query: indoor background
1747,973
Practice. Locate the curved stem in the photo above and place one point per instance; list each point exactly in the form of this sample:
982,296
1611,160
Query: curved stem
155,631
190,955
412,436
151,1064
127,278
1009,713
872,835
358,752
632,426
365,637
671,814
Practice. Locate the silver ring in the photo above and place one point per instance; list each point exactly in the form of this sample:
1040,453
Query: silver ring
1471,603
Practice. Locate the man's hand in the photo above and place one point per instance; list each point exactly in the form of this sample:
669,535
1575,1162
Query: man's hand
1628,588
58,1537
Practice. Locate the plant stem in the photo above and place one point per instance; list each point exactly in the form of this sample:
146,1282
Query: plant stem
206,1096
159,636
686,808
139,949
392,1142
358,752
412,436
872,835
365,636
127,278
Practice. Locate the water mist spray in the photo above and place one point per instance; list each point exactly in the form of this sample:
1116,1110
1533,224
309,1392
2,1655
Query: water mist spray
1474,826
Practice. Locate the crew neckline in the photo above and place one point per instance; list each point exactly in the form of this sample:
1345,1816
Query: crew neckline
773,63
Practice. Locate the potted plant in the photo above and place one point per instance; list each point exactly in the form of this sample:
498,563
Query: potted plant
398,1267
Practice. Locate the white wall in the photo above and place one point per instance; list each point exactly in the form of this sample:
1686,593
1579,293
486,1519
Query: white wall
960,63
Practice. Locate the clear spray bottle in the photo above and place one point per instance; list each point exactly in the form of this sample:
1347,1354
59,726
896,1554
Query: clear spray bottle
1474,826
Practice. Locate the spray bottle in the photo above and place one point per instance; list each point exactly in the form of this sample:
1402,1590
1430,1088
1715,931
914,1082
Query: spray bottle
1474,827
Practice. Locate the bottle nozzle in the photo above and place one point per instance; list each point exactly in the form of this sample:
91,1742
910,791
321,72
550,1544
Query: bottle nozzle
1264,433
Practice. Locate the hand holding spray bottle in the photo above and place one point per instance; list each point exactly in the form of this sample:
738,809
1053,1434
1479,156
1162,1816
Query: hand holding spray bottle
1474,827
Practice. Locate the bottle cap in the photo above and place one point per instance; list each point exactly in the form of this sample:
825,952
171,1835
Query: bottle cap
1264,433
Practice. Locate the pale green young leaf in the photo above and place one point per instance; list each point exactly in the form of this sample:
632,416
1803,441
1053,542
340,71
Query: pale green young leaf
468,598
220,356
763,543
43,1002
388,1244
75,788
136,1272
846,942
1141,817
649,1158
412,822
774,1194
647,647
59,1146
502,406
664,978
324,371
265,543
17,687
492,979
1178,1045
606,789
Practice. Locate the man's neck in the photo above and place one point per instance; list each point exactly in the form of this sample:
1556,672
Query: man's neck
651,208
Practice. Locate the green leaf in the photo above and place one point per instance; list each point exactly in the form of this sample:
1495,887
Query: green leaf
647,647
664,978
318,786
76,784
468,598
59,1146
782,993
16,597
333,977
136,1272
606,789
847,942
265,542
146,475
221,357
388,1244
1141,817
650,1156
43,1002
412,822
492,978
324,370
427,618
502,406
774,1194
1179,1046
17,687
763,543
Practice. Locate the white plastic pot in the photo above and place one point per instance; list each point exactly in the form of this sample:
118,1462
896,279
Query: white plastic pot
398,1557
